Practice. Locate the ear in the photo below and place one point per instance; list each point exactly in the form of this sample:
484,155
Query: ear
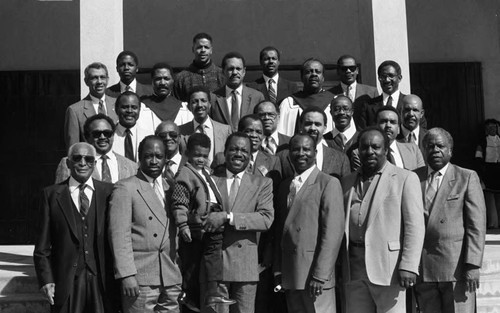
423,113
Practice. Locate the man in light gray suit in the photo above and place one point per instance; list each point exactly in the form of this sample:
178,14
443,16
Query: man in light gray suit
455,217
96,78
248,209
110,167
143,236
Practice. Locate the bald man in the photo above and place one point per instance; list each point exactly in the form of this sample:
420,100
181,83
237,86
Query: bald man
412,112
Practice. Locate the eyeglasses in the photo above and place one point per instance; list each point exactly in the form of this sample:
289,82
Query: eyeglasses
341,110
352,68
98,133
268,115
77,158
165,135
385,76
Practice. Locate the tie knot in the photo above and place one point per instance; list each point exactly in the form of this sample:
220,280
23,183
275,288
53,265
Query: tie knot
127,131
170,162
235,176
128,88
271,81
82,187
101,102
234,92
104,157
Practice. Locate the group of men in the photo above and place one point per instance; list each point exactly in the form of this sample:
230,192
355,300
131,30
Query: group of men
331,200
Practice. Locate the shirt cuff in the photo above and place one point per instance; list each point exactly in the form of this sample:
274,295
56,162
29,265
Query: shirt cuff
231,218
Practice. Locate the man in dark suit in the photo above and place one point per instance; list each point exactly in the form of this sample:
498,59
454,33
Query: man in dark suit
143,236
127,64
455,216
110,167
199,104
344,136
328,160
169,132
71,252
248,203
233,100
273,141
202,71
96,78
274,87
389,77
412,112
309,232
162,102
348,71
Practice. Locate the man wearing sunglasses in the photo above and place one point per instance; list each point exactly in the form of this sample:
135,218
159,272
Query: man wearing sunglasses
71,252
110,167
169,132
348,71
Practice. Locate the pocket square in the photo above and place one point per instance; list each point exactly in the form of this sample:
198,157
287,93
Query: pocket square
452,197
263,170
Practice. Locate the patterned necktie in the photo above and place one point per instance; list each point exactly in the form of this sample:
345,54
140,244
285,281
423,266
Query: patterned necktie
101,109
235,110
350,93
84,200
389,101
200,129
105,172
272,91
390,157
411,137
129,149
292,193
432,188
128,88
234,190
159,189
270,145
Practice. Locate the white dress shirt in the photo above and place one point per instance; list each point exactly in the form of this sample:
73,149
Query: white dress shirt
395,98
177,161
275,82
133,86
229,98
95,104
74,190
397,156
112,164
319,153
208,127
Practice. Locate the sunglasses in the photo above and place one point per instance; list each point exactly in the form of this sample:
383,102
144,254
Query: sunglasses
352,68
98,133
77,158
163,135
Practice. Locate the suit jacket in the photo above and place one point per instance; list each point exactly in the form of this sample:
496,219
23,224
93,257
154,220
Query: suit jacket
142,233
221,132
422,132
410,154
455,227
252,212
126,168
219,110
309,232
57,244
335,163
285,88
77,114
395,227
141,90
364,93
334,141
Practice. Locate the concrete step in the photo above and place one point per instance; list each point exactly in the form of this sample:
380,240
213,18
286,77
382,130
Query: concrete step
17,273
24,303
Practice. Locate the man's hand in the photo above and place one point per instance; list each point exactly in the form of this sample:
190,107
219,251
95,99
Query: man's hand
130,287
407,279
48,291
185,234
471,279
315,288
214,221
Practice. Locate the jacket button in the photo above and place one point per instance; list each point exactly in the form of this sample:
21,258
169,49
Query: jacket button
239,245
441,221
161,250
155,235
74,265
150,218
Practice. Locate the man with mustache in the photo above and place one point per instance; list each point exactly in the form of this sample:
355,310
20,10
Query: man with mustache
199,104
274,87
169,132
344,136
328,160
273,141
96,78
234,100
201,72
389,77
127,65
412,113
455,218
110,166
313,94
162,102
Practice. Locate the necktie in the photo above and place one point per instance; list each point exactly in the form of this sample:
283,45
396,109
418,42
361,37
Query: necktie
432,188
128,88
390,157
129,149
350,93
235,110
200,129
105,172
159,189
389,101
272,91
411,137
212,185
101,109
84,200
270,145
234,190
292,193
168,169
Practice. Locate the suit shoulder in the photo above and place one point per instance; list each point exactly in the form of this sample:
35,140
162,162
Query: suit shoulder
107,187
123,160
327,178
115,87
220,125
462,171
253,91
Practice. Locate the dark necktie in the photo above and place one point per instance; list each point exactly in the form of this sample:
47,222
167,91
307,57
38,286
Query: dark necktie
272,91
234,190
390,157
168,169
84,200
200,129
129,149
389,101
212,186
410,137
105,172
235,110
270,145
101,109
292,193
128,88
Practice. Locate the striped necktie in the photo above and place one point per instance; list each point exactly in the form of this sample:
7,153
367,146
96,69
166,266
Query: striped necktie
272,91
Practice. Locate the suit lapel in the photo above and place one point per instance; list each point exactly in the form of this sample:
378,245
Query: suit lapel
245,192
303,192
327,160
405,156
88,108
221,183
151,199
222,103
66,206
443,192
245,101
379,192
260,160
110,108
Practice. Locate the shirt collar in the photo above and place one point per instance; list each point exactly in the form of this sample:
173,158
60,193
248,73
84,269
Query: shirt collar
230,174
120,129
346,87
207,123
96,100
73,184
275,78
177,158
149,178
111,155
348,133
394,146
406,131
305,175
275,137
395,97
132,85
238,90
442,171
